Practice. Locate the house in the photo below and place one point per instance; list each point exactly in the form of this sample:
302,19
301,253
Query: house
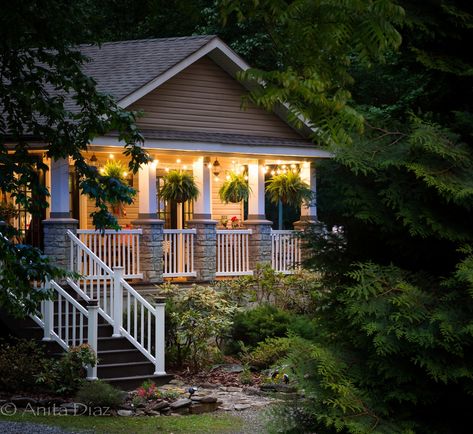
192,119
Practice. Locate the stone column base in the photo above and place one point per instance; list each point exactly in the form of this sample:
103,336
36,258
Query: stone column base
151,249
259,242
205,248
57,245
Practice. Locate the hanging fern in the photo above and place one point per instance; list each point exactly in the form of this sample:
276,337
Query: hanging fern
115,169
289,189
234,189
179,186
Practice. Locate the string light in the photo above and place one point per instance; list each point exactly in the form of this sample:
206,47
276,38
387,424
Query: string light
227,177
111,156
184,167
178,161
167,169
125,174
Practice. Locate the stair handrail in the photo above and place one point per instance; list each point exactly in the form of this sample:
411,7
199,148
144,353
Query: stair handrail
115,318
72,309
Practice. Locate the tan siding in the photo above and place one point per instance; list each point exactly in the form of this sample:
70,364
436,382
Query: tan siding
205,98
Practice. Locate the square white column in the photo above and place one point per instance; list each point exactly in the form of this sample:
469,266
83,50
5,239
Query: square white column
256,208
203,181
308,175
60,207
147,192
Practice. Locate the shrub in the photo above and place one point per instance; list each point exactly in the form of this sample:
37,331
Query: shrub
99,394
255,325
21,362
268,353
196,318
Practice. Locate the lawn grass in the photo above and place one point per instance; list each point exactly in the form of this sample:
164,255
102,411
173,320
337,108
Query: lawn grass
204,423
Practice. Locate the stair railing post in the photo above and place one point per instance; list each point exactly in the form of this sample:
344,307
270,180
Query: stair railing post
117,301
92,313
159,337
48,314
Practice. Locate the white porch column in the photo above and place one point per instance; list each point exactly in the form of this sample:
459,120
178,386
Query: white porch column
151,241
202,178
260,240
55,239
309,213
60,189
256,210
147,199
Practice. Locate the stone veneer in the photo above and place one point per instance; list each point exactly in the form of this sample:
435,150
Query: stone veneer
205,248
259,242
151,249
57,244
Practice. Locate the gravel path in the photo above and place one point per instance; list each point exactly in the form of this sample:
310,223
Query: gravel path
254,421
33,428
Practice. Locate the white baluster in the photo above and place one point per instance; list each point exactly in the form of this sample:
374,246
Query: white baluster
159,337
117,300
92,313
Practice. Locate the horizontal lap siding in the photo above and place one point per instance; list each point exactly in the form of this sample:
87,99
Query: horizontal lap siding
218,207
205,98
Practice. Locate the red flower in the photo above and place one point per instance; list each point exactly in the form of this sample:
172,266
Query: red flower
234,218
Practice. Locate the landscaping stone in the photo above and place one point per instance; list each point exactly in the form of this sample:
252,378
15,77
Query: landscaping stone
241,407
208,399
157,406
180,403
125,413
23,401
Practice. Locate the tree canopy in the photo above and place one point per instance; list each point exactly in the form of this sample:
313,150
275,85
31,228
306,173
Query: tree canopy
41,75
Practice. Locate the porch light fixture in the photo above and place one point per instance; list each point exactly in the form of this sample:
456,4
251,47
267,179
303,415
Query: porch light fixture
94,161
216,168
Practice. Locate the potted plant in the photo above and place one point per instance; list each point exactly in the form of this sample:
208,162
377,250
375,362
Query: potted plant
289,189
178,186
235,189
235,222
224,221
117,170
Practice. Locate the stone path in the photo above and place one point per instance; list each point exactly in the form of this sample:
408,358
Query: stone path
230,398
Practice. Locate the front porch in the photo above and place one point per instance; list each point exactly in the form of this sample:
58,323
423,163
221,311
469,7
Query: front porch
161,239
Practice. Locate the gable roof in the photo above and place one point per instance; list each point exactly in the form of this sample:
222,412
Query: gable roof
121,68
129,70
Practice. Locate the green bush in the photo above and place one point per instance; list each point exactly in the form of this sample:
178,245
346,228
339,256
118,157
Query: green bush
255,325
268,352
99,394
21,362
196,320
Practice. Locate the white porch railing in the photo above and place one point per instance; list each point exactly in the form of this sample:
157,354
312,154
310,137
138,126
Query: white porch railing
64,320
116,248
285,251
109,288
233,252
178,252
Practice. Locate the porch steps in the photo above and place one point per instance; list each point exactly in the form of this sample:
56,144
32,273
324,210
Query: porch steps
119,362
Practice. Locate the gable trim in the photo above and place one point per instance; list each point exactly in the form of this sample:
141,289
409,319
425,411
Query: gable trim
214,44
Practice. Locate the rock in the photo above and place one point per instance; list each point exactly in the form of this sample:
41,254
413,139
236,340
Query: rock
175,414
139,413
241,407
203,408
253,391
180,403
232,367
234,389
126,413
74,407
208,399
226,408
209,386
156,406
23,401
176,382
154,413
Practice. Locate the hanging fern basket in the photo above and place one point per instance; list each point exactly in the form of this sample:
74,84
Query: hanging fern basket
235,189
288,188
179,186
